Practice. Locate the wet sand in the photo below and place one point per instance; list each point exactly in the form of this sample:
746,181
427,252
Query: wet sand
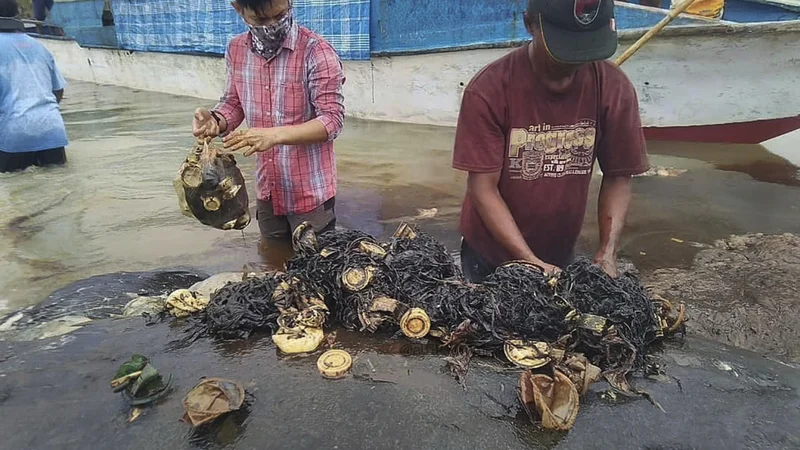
56,395
742,291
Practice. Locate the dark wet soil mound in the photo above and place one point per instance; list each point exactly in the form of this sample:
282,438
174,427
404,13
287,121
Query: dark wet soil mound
745,291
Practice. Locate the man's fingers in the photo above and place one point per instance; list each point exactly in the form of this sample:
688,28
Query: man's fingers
199,130
238,145
212,129
232,139
235,137
249,151
202,114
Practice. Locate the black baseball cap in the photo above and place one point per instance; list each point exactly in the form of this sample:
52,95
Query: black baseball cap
576,31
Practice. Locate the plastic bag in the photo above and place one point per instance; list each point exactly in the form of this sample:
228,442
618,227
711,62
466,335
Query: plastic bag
211,188
712,9
210,399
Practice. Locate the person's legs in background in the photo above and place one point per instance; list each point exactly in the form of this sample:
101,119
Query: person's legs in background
41,8
12,162
52,157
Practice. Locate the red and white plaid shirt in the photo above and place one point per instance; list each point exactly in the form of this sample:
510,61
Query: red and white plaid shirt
302,82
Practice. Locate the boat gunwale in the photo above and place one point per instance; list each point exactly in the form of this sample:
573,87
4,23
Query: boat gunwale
629,35
624,36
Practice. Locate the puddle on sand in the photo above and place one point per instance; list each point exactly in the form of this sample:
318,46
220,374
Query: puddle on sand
752,160
113,208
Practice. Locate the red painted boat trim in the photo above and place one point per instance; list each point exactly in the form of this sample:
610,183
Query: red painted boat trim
754,132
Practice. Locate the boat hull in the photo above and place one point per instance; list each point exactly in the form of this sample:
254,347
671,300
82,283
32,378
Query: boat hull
754,132
721,83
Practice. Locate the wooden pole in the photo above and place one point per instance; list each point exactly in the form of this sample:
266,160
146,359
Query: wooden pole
673,13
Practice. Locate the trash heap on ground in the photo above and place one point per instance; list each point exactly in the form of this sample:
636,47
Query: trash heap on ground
565,331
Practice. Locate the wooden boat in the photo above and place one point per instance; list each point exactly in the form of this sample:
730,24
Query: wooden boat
698,80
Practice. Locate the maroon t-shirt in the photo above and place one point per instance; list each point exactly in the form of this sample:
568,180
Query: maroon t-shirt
545,145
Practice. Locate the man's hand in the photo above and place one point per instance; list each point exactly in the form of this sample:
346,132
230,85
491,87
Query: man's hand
253,140
549,269
607,262
204,124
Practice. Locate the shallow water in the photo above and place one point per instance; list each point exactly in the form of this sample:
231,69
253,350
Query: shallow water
112,208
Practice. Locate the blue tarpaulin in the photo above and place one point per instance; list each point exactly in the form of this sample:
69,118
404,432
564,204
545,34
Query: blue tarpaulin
81,20
206,26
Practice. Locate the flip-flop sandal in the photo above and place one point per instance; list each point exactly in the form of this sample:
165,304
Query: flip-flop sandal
161,393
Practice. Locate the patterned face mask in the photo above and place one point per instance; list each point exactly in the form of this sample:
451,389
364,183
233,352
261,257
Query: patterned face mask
268,39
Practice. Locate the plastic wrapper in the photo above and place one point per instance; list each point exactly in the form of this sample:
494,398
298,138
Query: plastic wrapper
211,189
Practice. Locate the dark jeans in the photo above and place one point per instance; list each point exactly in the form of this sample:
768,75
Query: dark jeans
40,8
474,266
275,227
12,162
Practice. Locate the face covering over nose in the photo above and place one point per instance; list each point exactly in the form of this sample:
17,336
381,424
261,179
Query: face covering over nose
268,39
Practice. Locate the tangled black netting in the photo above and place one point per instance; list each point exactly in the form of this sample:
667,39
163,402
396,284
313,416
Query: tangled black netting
623,301
238,309
336,252
419,265
415,271
524,306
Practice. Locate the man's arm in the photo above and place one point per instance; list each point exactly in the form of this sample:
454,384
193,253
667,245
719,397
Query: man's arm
483,190
612,208
479,150
229,109
325,80
56,79
621,153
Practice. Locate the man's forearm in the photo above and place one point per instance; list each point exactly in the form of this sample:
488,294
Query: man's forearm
501,224
311,132
612,208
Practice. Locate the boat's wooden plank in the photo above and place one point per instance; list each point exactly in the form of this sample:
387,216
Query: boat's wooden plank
792,5
790,26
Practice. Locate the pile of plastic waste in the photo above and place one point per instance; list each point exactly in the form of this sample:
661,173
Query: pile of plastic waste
565,331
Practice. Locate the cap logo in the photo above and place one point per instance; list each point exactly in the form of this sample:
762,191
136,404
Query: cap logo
586,11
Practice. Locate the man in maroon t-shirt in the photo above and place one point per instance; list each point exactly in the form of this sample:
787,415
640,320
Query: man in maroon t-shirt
531,126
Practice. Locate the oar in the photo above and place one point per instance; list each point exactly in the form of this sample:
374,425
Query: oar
673,13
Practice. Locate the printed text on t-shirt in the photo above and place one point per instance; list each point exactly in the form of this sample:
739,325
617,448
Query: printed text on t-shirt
551,151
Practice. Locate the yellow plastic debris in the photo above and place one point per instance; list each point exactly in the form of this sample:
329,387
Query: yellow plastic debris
291,342
528,355
183,303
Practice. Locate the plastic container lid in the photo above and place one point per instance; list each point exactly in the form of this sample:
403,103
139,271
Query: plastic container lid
528,355
371,249
357,279
334,364
415,323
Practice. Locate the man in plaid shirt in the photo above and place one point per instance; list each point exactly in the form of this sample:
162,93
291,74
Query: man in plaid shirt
286,82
